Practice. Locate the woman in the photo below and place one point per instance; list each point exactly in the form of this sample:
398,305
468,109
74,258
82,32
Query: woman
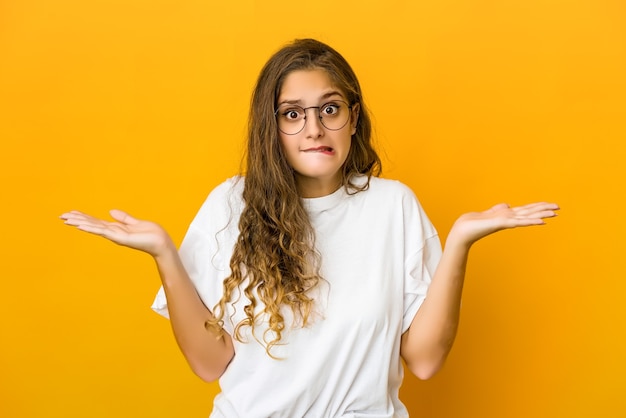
302,285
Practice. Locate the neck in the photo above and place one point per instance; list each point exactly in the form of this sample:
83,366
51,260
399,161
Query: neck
310,188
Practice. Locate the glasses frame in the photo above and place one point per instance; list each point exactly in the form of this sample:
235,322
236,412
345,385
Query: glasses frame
319,115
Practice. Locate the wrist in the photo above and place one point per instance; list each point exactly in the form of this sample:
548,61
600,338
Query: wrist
458,239
164,249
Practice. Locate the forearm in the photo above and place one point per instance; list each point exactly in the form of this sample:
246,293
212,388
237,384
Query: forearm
207,354
426,344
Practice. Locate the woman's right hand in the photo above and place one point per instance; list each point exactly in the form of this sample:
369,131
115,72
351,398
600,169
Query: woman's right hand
134,233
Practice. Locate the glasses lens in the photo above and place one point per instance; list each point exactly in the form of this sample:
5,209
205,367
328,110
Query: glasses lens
290,119
334,115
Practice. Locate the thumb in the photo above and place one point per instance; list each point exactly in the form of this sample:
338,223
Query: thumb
498,207
122,217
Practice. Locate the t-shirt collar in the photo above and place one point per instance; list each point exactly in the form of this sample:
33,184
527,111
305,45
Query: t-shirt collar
320,204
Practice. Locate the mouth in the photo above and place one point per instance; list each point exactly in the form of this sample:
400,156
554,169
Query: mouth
322,149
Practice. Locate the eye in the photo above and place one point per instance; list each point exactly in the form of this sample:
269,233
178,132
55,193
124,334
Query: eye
330,109
293,113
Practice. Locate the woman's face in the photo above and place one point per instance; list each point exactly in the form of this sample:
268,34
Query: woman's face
318,151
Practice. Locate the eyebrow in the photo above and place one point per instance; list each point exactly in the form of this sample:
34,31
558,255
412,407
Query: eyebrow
323,97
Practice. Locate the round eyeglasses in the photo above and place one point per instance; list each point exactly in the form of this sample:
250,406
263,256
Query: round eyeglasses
291,118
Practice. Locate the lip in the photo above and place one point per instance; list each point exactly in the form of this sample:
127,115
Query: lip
322,150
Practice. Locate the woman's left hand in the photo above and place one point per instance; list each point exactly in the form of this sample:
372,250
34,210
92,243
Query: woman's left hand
473,226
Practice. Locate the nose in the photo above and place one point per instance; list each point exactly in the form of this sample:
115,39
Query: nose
313,127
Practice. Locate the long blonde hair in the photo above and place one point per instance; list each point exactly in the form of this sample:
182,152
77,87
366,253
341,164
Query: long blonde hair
275,252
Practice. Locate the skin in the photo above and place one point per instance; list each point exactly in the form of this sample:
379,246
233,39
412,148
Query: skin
427,342
317,173
207,354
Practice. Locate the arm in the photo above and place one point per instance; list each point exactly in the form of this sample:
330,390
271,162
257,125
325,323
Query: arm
207,354
427,342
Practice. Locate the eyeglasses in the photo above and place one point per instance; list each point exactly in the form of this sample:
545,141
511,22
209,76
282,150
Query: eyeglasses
291,118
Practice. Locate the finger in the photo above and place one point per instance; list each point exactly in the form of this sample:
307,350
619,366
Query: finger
497,207
537,214
123,217
77,217
70,214
73,217
92,229
500,206
85,221
75,214
528,222
536,206
103,231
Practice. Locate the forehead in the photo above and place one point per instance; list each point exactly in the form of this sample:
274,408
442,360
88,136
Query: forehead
308,86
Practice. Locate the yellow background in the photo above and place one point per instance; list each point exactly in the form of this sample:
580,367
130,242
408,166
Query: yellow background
142,105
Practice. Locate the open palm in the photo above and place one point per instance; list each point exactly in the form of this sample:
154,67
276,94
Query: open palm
128,231
473,226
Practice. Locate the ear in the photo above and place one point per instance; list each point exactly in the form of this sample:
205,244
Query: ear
354,117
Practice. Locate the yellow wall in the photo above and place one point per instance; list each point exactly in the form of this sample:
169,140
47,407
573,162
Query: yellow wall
141,105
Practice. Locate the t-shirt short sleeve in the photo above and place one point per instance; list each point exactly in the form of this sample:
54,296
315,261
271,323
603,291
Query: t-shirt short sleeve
422,252
419,271
206,248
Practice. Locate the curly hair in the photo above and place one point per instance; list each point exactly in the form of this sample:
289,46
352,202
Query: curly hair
274,258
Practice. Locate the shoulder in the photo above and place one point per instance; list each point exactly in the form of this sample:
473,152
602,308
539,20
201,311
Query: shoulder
417,225
228,188
397,195
389,188
227,193
224,201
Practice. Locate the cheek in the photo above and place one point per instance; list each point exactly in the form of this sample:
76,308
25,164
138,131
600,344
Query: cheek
288,149
349,143
285,142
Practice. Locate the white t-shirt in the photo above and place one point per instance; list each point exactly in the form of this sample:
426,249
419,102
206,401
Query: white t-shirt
378,254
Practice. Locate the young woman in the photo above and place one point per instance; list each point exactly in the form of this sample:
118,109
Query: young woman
301,285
